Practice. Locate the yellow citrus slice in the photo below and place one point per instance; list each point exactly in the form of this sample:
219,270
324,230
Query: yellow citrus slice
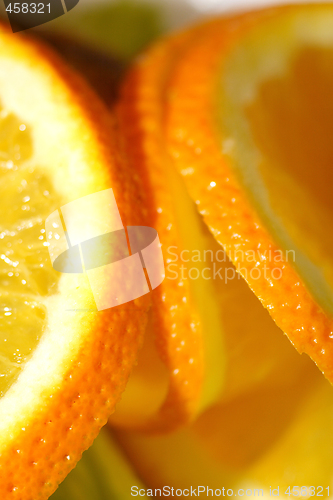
63,364
239,118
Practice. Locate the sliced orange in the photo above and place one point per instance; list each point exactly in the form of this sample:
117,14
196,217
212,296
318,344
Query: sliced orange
182,370
185,327
222,100
63,363
238,109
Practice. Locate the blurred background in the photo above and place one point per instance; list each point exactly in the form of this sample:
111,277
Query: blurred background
100,38
122,28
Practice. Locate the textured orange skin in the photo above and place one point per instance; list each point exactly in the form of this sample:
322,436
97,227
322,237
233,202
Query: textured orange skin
192,140
139,118
174,87
70,416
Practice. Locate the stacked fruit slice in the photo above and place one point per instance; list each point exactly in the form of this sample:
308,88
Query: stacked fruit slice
202,103
214,148
63,364
235,107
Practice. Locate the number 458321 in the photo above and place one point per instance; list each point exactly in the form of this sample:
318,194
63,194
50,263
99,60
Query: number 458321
307,491
32,8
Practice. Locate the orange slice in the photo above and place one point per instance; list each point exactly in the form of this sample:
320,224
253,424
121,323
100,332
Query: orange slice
63,363
222,105
185,327
181,370
238,113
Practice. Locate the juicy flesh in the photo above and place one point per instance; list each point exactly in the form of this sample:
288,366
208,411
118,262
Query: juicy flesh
244,325
148,385
275,112
292,121
26,273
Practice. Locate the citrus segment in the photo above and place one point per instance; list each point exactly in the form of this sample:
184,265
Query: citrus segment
207,138
26,275
185,331
211,292
63,363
